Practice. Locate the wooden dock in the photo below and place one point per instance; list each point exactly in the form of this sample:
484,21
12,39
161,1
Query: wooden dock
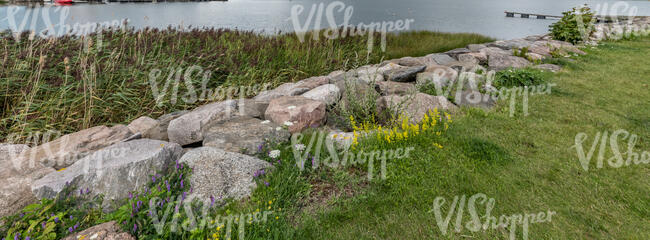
528,15
599,18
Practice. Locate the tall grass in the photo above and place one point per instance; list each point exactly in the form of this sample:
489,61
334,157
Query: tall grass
71,83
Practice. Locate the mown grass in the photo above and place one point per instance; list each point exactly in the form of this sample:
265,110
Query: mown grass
525,163
68,84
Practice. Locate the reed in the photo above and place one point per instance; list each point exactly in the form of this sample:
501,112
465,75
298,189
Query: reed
72,83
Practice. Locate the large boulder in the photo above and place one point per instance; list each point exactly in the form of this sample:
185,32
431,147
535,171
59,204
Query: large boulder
476,47
244,134
541,48
113,171
494,51
390,88
188,129
105,231
8,152
159,132
458,51
293,89
15,190
499,63
328,93
475,99
440,58
511,44
473,57
143,125
413,106
409,61
66,150
403,74
468,66
220,174
252,108
298,112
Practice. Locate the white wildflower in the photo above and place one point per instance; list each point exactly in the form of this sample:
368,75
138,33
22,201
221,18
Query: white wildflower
266,122
299,147
288,124
291,107
274,154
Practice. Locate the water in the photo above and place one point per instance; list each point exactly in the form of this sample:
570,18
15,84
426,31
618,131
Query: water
477,16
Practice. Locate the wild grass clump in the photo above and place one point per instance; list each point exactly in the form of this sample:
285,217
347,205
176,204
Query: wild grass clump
420,43
519,77
71,83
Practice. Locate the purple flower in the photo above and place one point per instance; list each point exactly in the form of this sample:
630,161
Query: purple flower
87,190
56,219
158,188
130,195
266,183
28,238
81,191
184,195
167,183
135,227
259,148
43,225
153,178
71,217
211,200
76,226
70,229
181,183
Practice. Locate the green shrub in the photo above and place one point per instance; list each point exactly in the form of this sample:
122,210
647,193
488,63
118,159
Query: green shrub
358,102
519,77
575,25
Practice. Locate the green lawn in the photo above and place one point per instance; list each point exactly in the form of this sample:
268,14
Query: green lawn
524,162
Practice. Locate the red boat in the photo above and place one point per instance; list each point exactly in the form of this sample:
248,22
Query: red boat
63,1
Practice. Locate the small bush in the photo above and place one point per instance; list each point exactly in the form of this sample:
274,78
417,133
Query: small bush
575,25
519,77
358,102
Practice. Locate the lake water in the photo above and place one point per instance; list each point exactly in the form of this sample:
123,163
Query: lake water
477,16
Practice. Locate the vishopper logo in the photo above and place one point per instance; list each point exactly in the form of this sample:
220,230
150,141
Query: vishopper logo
27,159
616,160
344,29
340,154
175,75
18,18
475,224
200,219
